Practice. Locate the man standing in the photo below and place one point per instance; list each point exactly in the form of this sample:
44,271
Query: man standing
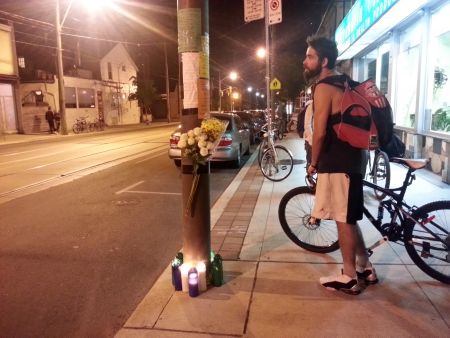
340,168
50,117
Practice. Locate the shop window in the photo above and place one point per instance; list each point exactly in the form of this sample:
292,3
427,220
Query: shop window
439,99
21,62
408,76
384,76
70,97
86,98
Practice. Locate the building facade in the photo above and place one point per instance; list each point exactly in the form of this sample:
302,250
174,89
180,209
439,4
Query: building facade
9,82
405,46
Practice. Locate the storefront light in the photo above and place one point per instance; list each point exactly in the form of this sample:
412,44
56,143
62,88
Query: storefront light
369,20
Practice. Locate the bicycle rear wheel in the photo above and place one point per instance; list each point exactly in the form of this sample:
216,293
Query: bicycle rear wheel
381,173
277,163
430,250
294,213
76,128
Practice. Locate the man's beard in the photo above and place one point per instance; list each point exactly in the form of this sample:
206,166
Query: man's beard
310,74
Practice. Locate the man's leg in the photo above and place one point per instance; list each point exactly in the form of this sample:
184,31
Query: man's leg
348,240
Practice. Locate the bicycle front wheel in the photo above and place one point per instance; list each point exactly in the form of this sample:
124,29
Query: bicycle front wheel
262,148
76,128
277,163
294,213
428,241
381,174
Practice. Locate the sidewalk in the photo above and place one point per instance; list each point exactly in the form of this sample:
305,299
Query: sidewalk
20,138
271,286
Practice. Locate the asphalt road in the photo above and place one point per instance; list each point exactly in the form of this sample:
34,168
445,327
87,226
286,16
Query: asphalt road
77,258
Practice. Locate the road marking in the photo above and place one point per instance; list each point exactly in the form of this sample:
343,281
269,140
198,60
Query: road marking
152,192
129,187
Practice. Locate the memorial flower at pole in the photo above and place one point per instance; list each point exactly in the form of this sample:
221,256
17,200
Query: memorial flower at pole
198,145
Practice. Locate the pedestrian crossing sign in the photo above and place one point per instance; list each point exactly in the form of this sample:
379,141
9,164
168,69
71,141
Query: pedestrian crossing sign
275,84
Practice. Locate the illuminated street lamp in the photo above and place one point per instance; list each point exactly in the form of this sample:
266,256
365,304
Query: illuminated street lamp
234,96
261,53
232,76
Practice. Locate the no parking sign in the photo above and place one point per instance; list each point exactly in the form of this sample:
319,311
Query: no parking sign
274,12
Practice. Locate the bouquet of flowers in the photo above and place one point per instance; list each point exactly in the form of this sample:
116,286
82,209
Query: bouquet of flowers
198,144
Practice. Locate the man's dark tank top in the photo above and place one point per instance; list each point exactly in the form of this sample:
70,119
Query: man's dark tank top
338,156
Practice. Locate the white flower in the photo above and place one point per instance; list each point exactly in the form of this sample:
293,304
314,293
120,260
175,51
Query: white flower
209,145
190,133
203,151
181,143
191,140
197,131
184,137
201,144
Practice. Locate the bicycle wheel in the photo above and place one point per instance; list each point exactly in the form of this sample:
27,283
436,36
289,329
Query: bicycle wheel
277,163
261,149
430,250
381,173
76,128
294,213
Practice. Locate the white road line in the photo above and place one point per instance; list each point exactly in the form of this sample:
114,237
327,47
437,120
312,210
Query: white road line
129,187
152,192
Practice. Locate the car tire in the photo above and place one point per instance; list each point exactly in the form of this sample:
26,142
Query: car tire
237,161
177,163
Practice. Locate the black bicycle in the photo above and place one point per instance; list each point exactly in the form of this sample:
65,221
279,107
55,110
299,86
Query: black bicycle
424,231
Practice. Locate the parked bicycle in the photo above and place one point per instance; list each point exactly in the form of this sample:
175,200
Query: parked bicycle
424,231
275,161
97,125
81,125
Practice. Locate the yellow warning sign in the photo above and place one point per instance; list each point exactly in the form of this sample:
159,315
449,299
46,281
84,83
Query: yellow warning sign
275,84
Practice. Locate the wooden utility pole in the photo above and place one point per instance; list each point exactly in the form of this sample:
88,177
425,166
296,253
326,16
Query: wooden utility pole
193,48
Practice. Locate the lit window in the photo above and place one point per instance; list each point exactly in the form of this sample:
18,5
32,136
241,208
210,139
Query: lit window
21,62
86,98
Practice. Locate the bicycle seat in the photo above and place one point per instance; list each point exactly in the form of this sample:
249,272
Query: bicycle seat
410,163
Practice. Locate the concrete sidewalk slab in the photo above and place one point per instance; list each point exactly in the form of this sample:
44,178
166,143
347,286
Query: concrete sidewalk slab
272,289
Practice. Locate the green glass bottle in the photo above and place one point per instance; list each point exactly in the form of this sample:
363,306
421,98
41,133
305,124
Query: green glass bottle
217,270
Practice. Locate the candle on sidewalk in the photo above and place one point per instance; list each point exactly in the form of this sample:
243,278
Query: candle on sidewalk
201,270
193,282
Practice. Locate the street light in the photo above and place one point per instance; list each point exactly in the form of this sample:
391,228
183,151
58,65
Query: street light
261,53
232,76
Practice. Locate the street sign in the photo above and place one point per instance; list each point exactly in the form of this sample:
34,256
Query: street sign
253,10
275,15
275,84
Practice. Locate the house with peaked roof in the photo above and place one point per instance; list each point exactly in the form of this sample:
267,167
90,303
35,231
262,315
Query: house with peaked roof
104,99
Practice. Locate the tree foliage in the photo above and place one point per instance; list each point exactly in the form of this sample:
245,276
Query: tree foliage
146,92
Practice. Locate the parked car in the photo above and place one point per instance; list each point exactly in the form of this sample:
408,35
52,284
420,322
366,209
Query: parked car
235,141
254,124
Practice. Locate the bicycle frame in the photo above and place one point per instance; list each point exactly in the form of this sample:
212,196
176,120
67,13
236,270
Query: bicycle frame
396,207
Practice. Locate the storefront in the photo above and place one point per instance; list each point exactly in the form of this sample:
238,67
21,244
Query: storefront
405,46
9,81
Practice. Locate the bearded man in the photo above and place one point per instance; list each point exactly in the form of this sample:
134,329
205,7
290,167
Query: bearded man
339,168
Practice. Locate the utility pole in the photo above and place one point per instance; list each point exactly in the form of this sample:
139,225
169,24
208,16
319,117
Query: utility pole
193,47
167,83
62,101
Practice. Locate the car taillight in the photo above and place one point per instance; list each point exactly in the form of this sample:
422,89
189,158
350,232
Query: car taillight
225,141
174,141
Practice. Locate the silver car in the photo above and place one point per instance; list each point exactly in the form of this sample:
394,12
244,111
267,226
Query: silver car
235,141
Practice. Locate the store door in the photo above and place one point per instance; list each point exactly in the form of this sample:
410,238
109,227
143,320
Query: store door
8,121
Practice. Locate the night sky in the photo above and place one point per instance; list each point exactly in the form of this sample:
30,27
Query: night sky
145,24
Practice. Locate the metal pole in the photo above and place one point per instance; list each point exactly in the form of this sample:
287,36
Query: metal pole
220,93
266,20
62,100
167,83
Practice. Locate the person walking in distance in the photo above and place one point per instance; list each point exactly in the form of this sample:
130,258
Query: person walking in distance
50,117
339,168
